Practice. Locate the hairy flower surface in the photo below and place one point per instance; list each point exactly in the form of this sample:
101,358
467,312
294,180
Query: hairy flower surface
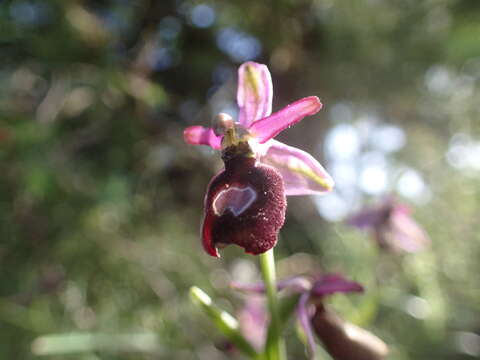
245,203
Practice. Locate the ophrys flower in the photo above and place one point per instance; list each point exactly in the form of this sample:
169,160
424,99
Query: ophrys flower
392,226
245,203
342,339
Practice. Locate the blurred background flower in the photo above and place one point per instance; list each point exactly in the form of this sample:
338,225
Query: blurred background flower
391,226
99,197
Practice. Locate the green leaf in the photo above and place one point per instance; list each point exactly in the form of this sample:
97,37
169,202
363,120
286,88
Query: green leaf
225,322
55,344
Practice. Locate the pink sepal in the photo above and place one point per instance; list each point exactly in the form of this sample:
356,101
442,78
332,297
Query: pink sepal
254,94
268,127
199,135
301,173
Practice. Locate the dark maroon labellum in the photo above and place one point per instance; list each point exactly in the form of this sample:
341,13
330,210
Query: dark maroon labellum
245,205
345,341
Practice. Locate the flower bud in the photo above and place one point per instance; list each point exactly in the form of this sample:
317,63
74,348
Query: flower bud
245,204
345,341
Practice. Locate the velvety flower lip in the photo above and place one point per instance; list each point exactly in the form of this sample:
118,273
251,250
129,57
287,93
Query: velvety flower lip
346,341
392,226
245,205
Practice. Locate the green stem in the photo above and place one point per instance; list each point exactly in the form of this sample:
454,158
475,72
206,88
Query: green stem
275,347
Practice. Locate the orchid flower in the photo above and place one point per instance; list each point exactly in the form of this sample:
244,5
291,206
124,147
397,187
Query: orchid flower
245,203
392,226
342,340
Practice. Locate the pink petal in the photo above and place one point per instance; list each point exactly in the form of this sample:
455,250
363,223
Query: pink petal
301,173
407,235
199,135
377,215
268,127
253,321
257,288
334,283
296,284
303,317
254,94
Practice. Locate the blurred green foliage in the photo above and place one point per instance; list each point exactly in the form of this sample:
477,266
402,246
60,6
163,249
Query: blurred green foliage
101,201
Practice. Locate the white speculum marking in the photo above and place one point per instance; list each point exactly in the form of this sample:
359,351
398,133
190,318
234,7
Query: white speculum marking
236,199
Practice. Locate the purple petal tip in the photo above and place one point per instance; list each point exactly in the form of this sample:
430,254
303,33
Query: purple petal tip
334,283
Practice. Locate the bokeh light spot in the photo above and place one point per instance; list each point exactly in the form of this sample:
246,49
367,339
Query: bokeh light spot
238,45
332,207
373,179
411,185
388,138
417,307
202,16
342,142
468,343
